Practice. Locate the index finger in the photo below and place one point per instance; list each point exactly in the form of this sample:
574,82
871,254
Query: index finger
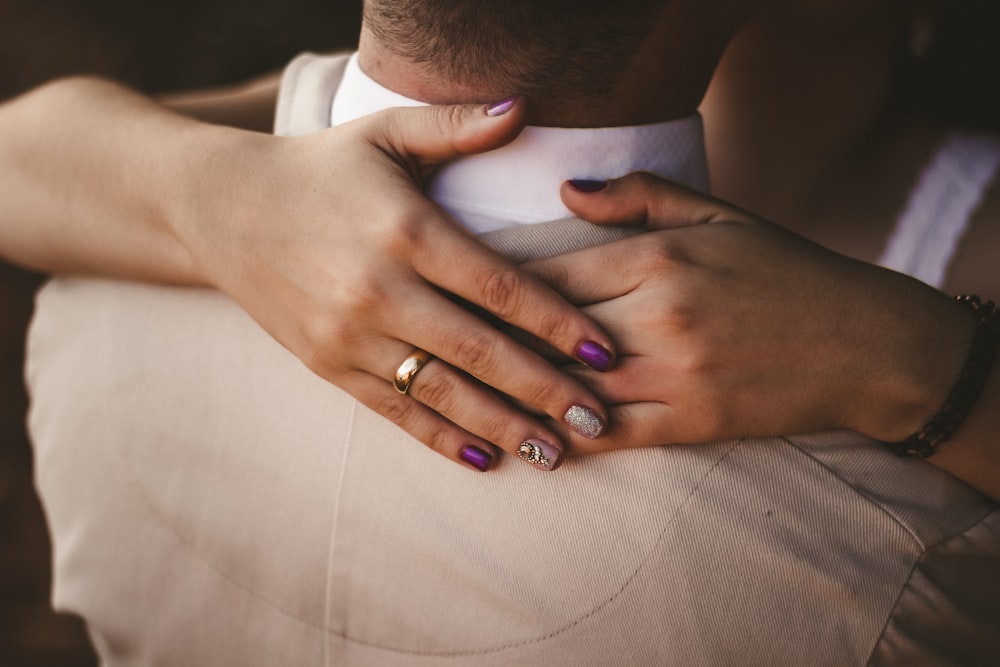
453,260
450,258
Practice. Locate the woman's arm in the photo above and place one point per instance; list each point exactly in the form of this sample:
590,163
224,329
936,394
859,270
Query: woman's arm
248,105
89,179
325,240
729,326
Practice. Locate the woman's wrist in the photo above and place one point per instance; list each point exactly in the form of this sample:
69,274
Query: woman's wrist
209,177
85,179
964,395
926,339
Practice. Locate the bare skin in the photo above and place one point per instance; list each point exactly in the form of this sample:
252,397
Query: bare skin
197,205
836,167
801,171
730,326
826,159
666,78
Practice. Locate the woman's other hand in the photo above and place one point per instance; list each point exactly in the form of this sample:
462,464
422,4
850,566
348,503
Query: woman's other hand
729,326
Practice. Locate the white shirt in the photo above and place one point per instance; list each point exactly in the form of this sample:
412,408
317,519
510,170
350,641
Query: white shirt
519,183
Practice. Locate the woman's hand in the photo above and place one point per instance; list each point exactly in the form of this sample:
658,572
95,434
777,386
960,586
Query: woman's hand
328,243
729,326
325,240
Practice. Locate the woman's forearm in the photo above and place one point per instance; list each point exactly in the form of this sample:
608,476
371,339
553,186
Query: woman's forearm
248,105
93,175
931,346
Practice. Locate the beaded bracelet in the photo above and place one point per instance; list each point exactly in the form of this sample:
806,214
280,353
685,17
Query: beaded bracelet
970,384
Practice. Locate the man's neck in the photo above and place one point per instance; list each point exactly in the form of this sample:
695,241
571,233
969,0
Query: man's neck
665,80
519,183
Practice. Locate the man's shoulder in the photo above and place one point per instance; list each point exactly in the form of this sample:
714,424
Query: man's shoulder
308,85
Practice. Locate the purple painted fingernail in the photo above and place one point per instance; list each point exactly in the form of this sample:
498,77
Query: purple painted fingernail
584,421
476,457
541,454
501,107
594,355
585,185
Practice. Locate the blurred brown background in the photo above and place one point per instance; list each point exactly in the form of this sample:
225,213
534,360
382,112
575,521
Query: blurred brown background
155,46
159,46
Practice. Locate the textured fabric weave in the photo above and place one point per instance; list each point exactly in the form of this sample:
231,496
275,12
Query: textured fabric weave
212,502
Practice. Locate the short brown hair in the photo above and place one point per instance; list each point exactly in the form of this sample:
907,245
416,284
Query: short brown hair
552,49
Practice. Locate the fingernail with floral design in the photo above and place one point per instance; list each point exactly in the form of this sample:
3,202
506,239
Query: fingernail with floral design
541,454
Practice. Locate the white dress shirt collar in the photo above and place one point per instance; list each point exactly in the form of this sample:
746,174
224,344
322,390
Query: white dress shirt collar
519,183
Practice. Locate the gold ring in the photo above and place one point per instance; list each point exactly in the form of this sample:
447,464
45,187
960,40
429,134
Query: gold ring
409,369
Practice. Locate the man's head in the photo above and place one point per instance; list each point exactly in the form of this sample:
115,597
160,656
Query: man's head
559,53
552,48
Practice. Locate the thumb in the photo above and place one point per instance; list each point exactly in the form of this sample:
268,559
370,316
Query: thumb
642,200
434,134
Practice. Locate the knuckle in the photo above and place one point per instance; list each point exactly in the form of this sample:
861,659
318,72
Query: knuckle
475,353
556,276
502,292
358,302
450,119
402,233
667,253
323,337
495,427
545,393
555,328
672,317
435,389
318,359
703,358
438,439
695,363
319,362
325,330
396,409
654,257
404,412
685,319
448,123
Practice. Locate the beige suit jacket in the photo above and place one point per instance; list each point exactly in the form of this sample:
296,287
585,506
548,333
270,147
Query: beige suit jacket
212,502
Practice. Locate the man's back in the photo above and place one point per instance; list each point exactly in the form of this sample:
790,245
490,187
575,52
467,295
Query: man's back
241,511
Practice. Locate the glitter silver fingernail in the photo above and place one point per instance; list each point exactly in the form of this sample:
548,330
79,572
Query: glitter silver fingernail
584,421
